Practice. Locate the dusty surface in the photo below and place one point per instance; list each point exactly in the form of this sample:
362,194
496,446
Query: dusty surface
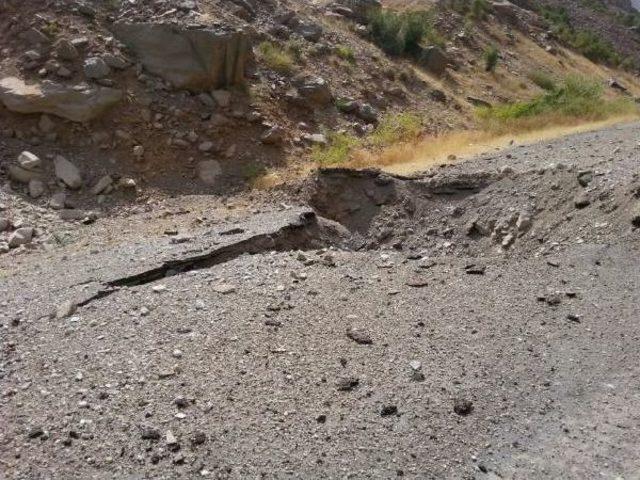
428,344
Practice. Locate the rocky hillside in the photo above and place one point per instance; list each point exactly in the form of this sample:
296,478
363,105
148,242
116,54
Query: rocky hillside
121,100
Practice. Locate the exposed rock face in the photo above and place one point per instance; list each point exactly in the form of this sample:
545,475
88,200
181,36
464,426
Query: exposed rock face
79,104
195,59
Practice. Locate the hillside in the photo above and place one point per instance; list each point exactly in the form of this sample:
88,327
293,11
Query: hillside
120,90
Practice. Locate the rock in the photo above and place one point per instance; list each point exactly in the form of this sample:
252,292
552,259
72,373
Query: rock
224,288
222,98
475,269
66,309
206,146
171,439
102,185
117,62
462,406
67,172
65,50
315,139
311,32
581,201
616,85
359,336
36,188
346,105
314,90
209,171
35,432
585,178
150,433
35,37
434,60
58,200
635,219
416,371
95,68
388,410
346,384
367,113
21,236
79,104
198,438
4,224
20,175
29,161
273,136
191,58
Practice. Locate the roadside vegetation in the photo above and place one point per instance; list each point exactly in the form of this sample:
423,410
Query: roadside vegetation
399,138
574,100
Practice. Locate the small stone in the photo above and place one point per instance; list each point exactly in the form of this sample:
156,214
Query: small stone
346,384
462,406
35,432
150,433
58,200
65,50
36,188
198,438
581,201
170,438
21,236
359,336
177,353
159,288
224,288
102,185
388,410
206,146
138,152
29,161
585,178
475,269
66,309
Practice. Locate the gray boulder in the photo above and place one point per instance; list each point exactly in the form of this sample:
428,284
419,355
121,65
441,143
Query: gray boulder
79,104
96,68
67,172
314,90
21,236
195,59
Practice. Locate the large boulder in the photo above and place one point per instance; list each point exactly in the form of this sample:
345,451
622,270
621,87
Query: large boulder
79,104
195,59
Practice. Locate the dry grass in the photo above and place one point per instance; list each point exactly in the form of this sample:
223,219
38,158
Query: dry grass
410,158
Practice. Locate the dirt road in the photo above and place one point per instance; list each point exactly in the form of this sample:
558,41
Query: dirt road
480,321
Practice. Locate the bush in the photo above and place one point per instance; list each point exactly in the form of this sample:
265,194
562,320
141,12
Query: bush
402,33
542,80
275,57
338,149
491,55
403,127
473,11
346,53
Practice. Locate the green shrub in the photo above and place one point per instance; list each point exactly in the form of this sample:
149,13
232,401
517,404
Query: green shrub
491,55
337,150
473,11
542,80
346,53
402,33
575,98
402,127
275,57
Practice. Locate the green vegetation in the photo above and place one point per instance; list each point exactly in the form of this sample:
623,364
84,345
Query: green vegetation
392,129
339,147
588,43
491,56
402,33
402,127
575,98
346,53
542,80
276,57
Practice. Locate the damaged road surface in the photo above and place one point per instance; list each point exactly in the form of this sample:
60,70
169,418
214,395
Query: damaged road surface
404,337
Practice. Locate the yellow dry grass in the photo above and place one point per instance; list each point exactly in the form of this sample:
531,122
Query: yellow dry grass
411,158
